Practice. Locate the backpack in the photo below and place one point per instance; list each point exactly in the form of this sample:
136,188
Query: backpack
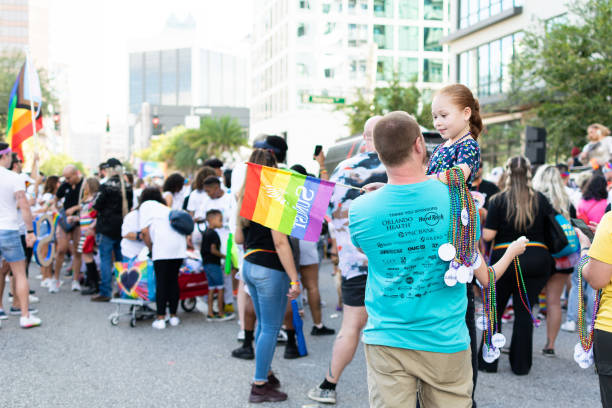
181,222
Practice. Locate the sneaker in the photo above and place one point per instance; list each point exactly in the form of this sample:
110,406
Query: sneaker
229,308
76,286
569,326
89,291
266,393
201,305
29,321
282,336
54,286
45,283
174,321
548,352
212,318
323,331
226,316
159,324
32,292
3,315
33,299
100,298
273,381
244,353
321,395
240,336
16,311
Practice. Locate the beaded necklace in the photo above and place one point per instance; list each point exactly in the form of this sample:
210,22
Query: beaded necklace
583,351
461,249
522,289
493,339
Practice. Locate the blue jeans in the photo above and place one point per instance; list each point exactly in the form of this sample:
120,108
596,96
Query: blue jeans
572,301
107,246
268,289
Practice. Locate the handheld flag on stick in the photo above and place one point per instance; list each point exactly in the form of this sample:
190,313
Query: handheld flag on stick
298,326
288,202
24,117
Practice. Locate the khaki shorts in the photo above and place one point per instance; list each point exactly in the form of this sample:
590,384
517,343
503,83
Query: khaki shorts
395,375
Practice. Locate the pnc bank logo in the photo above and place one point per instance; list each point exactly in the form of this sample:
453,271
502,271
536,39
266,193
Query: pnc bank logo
431,218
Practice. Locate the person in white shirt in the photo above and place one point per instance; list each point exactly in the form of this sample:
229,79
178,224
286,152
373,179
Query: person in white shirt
599,147
12,196
131,242
226,203
168,248
174,191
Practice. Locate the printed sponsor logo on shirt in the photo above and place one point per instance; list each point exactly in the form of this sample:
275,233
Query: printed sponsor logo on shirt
431,218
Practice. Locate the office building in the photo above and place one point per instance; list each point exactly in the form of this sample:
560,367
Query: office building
311,56
485,37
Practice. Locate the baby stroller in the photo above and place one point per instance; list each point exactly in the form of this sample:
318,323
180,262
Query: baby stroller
136,282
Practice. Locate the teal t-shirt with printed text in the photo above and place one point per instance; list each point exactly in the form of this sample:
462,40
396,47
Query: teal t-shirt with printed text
400,228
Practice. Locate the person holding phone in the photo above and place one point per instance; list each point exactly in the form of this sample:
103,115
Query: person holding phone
598,273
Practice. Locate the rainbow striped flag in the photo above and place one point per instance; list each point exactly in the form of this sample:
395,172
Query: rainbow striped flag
285,201
24,94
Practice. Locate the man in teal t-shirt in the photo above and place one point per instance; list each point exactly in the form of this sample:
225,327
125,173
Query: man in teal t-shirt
416,329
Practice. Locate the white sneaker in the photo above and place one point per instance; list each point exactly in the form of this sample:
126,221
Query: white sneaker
569,326
45,282
174,321
39,276
76,286
54,286
240,336
33,299
159,324
29,321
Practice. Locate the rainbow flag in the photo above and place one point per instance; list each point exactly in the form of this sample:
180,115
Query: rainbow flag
285,201
24,94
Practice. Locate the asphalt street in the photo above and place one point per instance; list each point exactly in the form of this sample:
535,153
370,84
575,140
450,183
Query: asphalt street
78,359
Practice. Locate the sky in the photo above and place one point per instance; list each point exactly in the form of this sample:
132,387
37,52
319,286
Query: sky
89,39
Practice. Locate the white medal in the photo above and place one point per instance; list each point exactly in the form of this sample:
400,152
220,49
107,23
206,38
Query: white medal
498,340
497,353
447,252
465,217
482,323
455,265
463,274
450,277
583,358
489,354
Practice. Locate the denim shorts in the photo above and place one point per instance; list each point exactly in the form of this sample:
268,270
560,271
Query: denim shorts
214,274
10,246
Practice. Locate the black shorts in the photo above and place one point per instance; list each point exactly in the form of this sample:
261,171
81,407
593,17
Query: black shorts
353,291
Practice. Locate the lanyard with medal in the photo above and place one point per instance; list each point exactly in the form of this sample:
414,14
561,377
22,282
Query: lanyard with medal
583,351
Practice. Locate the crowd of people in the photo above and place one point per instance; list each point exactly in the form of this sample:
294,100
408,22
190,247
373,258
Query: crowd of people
383,235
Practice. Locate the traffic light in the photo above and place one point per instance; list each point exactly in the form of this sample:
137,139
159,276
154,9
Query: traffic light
157,127
56,121
155,122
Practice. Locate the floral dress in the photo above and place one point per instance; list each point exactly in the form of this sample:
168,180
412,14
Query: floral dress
465,151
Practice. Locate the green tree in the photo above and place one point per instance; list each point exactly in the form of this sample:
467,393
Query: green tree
388,99
55,163
564,73
10,64
181,148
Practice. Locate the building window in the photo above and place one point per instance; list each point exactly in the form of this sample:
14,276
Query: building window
357,69
384,68
329,72
467,68
434,9
432,70
152,77
409,9
357,35
431,39
184,76
169,80
383,36
408,69
408,38
304,4
383,8
301,30
473,11
136,81
357,6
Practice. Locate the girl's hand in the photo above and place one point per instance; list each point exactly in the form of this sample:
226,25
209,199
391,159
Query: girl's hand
593,226
368,188
294,291
518,246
